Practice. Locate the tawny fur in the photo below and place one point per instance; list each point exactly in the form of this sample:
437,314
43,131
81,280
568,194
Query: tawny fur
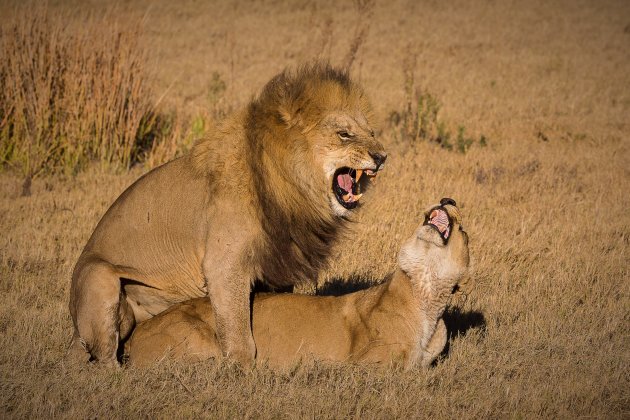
253,201
398,321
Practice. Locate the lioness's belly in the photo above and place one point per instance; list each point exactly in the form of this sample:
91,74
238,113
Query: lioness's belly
146,302
287,327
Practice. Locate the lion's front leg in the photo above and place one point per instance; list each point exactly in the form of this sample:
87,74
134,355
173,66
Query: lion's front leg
229,269
229,279
230,300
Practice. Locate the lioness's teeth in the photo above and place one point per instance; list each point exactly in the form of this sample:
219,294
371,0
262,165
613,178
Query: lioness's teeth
346,197
358,174
356,197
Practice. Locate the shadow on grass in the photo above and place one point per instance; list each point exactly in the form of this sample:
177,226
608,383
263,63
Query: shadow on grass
458,323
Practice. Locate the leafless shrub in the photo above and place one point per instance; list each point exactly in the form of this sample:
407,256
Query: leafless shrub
158,138
326,41
419,119
364,12
216,97
319,39
410,118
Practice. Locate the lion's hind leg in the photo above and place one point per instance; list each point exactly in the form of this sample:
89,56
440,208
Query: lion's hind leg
96,310
77,352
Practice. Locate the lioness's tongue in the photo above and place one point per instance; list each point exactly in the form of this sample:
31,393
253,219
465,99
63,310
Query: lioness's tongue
439,219
345,182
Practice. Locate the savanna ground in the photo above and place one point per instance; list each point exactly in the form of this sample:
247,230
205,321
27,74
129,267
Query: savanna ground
544,330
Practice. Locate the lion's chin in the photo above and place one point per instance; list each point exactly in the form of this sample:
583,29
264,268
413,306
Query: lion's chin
337,209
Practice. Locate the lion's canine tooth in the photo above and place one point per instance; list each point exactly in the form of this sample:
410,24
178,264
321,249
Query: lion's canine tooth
356,197
358,174
346,197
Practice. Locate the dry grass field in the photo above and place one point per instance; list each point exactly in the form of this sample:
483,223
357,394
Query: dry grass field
544,331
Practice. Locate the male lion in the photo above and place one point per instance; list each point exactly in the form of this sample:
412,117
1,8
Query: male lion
397,321
262,198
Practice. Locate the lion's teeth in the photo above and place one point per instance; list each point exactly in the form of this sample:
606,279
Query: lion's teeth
346,197
356,197
358,174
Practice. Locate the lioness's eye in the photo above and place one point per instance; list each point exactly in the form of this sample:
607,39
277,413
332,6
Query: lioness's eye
344,135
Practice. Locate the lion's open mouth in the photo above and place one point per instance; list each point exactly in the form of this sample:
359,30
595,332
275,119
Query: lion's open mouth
439,219
347,185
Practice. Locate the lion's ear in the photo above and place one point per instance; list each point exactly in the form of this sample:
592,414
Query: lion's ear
291,117
296,119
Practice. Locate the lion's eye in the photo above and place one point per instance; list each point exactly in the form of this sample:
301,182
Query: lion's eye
344,135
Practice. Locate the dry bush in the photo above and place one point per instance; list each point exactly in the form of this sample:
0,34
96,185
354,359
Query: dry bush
71,94
364,10
420,117
320,39
157,138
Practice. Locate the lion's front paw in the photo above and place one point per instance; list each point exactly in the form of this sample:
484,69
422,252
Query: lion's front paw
244,356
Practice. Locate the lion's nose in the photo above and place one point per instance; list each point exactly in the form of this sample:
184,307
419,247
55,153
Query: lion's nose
379,159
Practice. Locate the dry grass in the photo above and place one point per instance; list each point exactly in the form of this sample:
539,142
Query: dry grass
545,331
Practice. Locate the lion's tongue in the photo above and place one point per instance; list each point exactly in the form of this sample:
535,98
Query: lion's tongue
345,182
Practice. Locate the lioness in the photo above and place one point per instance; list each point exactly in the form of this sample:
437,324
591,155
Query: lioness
399,320
262,198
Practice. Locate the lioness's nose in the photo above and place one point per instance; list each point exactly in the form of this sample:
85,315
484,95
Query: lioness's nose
448,201
379,158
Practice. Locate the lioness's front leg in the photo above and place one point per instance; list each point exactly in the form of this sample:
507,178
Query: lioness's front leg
436,343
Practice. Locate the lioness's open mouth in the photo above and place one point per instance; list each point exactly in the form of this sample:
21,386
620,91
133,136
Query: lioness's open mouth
347,185
439,219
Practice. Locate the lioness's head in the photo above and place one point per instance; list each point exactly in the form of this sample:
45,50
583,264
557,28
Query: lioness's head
320,137
439,246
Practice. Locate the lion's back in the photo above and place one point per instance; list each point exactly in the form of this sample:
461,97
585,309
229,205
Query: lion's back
157,224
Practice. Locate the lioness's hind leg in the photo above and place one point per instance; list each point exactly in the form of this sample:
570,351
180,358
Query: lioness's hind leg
95,309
